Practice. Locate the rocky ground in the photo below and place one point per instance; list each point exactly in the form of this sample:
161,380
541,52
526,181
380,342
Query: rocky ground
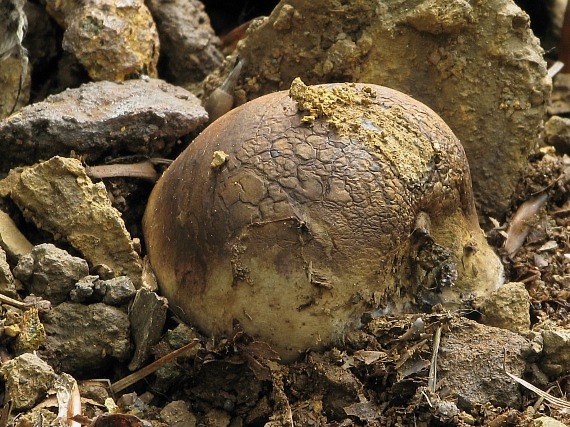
81,318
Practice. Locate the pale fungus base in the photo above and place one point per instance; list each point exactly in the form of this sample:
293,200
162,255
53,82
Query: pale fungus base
361,204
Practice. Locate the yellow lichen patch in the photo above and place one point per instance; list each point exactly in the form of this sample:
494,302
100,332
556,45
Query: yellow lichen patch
353,111
32,332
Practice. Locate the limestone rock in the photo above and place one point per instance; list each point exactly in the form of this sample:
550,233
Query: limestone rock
508,307
546,422
556,352
112,40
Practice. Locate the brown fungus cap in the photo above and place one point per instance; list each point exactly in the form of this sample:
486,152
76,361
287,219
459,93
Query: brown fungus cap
329,201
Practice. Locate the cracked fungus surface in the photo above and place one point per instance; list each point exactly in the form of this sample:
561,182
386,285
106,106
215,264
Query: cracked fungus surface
366,163
308,217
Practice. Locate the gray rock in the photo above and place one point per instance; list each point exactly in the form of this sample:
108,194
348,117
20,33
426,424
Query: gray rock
97,119
119,290
189,48
176,414
28,378
470,365
7,281
557,133
556,352
147,316
85,290
86,340
50,272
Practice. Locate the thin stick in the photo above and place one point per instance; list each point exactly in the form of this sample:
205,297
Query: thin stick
14,302
149,369
554,400
433,364
143,170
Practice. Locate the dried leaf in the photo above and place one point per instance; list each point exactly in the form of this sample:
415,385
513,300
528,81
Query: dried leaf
366,411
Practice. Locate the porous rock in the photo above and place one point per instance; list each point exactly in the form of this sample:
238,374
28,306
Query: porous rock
557,133
508,307
471,365
477,64
50,272
546,422
176,414
28,378
7,281
189,48
556,352
112,40
85,339
87,289
59,197
99,119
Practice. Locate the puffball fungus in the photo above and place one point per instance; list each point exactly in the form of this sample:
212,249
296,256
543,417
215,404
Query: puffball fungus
332,201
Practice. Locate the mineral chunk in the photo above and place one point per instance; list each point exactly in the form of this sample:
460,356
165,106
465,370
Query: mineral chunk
28,378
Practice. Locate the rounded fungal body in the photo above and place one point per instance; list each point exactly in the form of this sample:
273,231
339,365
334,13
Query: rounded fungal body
330,202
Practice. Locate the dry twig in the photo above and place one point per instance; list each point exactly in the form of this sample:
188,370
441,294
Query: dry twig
149,369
